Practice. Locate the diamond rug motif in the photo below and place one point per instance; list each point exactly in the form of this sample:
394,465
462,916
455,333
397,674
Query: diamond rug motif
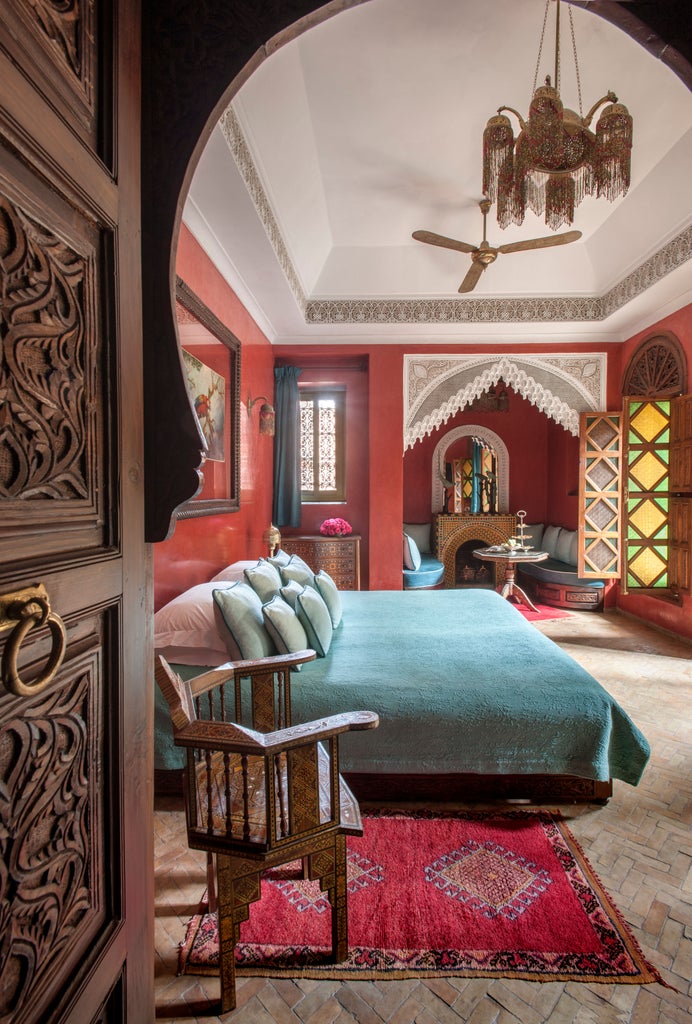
494,880
440,894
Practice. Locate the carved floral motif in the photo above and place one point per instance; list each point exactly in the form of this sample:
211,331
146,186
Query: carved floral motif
43,395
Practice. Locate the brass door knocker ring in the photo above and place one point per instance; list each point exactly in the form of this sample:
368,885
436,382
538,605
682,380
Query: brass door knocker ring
21,612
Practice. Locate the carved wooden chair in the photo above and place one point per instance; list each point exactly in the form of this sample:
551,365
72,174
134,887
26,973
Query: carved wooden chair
261,799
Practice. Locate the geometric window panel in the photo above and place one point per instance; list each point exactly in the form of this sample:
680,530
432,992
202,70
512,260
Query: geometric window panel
648,518
649,421
603,556
647,540
600,483
648,472
648,568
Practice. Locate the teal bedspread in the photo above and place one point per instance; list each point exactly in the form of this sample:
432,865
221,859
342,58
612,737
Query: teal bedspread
462,683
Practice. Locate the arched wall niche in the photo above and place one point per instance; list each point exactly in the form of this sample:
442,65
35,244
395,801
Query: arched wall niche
491,438
195,57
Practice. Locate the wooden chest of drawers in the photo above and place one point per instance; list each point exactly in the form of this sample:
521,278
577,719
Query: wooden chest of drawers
339,556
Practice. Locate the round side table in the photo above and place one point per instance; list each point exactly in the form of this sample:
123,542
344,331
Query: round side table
510,560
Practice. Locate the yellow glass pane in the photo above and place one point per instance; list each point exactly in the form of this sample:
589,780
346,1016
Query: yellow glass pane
648,518
649,421
647,566
647,471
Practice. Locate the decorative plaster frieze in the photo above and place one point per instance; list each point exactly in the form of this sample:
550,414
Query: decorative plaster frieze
233,134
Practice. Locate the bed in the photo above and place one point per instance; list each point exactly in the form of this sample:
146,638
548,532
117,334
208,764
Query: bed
473,700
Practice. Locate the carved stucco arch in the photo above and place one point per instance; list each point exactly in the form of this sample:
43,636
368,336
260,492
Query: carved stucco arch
495,442
560,385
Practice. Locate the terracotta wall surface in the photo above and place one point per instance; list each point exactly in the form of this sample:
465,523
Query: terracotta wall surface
385,486
198,548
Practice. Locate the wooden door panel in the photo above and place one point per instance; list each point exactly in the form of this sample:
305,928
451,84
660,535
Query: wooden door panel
55,378
59,42
57,895
75,788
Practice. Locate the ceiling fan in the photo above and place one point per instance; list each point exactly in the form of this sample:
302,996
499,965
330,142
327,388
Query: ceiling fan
484,254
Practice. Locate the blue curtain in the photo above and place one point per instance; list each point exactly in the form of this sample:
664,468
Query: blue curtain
287,507
477,470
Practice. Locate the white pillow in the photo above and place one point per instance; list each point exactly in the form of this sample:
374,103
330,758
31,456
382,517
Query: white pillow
188,621
412,557
233,572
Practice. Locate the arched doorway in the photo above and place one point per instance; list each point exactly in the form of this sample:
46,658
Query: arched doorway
195,59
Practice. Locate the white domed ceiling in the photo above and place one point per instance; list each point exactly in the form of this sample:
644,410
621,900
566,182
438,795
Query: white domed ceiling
369,126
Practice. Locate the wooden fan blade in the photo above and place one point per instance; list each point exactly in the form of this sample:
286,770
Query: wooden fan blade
446,243
472,278
541,243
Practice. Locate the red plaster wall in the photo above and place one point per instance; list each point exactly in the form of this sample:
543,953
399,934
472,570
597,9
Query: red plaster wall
198,548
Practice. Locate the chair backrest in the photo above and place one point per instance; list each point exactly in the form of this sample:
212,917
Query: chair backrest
177,693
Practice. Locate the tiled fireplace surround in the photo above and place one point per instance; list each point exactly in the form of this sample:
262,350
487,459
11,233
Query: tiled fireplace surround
453,530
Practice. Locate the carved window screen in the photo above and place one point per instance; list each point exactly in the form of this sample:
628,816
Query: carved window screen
600,495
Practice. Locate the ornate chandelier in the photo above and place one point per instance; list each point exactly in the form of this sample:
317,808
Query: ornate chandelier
556,159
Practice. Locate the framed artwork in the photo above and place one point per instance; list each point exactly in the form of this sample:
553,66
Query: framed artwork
207,391
211,363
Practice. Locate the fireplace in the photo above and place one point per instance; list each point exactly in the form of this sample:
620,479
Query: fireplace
452,531
471,571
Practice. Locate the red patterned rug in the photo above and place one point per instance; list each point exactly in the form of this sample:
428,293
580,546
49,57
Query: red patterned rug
543,613
485,894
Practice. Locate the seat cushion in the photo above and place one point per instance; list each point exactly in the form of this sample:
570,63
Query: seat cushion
412,556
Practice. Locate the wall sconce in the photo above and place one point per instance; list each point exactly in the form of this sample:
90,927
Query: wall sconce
266,415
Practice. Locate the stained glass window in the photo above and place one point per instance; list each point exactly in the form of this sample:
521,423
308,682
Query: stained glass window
322,445
648,494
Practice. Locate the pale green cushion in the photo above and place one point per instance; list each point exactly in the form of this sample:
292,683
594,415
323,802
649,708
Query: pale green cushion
290,592
533,535
238,612
574,549
298,570
284,626
279,558
264,579
551,535
315,617
565,545
329,592
420,532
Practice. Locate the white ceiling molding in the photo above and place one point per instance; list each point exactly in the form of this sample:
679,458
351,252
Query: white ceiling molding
501,453
235,138
555,309
560,386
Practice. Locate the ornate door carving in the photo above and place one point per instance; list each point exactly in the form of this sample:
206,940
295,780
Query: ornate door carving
75,894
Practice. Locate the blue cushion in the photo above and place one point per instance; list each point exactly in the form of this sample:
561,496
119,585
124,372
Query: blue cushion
552,571
430,573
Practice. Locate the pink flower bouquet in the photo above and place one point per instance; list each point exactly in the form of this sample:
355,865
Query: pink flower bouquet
335,528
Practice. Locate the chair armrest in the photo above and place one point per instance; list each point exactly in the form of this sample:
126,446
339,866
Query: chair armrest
228,737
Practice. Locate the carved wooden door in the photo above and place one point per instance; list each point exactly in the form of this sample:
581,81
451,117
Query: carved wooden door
75,816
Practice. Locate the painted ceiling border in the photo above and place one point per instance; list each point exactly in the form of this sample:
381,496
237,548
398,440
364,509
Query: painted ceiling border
464,378
557,309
